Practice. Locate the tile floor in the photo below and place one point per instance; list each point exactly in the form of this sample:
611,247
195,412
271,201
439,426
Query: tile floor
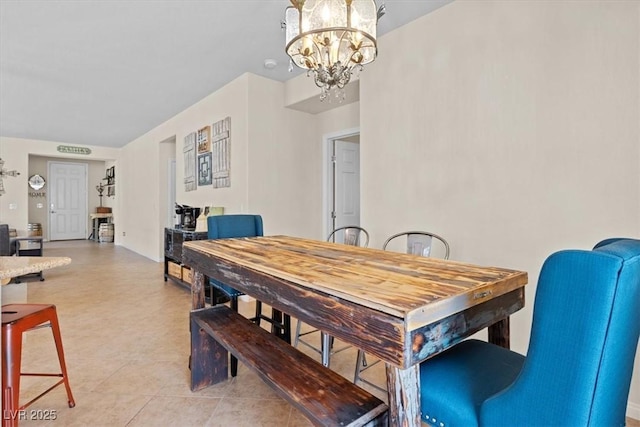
126,340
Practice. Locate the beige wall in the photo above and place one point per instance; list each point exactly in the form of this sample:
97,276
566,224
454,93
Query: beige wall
16,153
273,165
96,170
331,124
144,162
514,132
284,179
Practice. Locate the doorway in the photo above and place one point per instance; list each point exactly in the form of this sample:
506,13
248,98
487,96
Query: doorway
67,201
342,183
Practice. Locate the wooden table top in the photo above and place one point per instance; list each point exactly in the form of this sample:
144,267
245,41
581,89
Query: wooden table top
13,266
21,238
100,215
418,290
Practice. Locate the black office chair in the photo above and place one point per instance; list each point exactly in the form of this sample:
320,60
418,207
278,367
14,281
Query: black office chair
350,235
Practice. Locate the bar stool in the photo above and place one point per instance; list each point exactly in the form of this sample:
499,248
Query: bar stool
17,319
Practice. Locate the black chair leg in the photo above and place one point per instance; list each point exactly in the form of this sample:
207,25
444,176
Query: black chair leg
234,366
258,316
281,325
234,360
287,328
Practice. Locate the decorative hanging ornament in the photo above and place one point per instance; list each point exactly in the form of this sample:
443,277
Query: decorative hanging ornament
4,173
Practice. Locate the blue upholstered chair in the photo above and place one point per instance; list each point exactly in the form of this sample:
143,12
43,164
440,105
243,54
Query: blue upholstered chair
233,226
584,336
226,227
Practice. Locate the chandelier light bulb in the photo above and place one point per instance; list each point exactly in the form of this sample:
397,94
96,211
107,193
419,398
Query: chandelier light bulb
326,14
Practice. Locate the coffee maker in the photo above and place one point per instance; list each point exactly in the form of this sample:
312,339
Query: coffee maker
186,216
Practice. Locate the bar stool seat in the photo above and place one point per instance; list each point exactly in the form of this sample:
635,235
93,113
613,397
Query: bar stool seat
17,319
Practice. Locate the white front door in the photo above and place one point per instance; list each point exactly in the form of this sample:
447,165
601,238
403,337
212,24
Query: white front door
67,201
346,194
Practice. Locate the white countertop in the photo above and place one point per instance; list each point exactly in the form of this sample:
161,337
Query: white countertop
100,215
13,266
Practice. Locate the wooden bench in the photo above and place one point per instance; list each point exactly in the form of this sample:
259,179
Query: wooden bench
323,396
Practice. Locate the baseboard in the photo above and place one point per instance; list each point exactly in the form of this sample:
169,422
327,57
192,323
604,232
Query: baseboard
633,410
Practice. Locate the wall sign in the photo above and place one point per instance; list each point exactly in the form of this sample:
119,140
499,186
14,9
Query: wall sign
36,182
221,143
189,152
73,150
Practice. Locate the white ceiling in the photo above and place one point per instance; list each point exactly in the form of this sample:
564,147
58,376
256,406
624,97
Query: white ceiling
104,72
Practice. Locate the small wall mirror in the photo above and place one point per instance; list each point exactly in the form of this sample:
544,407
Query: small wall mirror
36,182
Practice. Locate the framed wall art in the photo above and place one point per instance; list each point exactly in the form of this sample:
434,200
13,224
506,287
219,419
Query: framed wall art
203,139
111,175
189,152
204,169
221,148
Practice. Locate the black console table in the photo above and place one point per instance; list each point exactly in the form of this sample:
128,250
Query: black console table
174,269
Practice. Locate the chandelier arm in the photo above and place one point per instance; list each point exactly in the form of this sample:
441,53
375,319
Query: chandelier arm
351,59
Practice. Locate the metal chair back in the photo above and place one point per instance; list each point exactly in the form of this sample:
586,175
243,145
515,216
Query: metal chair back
419,243
350,235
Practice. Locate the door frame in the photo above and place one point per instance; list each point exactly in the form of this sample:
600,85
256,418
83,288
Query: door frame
171,195
327,145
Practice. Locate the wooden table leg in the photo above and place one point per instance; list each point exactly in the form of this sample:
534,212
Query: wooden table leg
208,361
197,290
403,386
499,333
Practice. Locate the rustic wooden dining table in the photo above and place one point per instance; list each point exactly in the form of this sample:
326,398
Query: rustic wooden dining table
400,308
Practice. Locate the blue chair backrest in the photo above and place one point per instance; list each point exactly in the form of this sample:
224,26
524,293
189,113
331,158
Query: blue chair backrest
228,226
584,336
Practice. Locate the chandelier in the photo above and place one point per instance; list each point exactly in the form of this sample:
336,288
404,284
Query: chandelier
332,39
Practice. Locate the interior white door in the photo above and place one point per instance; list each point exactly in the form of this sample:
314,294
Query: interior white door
347,183
67,201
